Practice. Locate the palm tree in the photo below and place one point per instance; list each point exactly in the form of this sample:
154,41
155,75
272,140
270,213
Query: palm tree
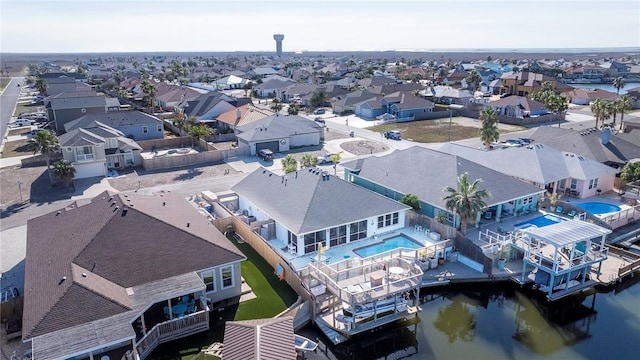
598,108
466,201
631,172
473,79
624,105
45,143
289,164
489,130
247,86
318,99
335,159
179,121
64,171
276,105
308,160
150,92
293,109
618,83
557,104
41,85
198,132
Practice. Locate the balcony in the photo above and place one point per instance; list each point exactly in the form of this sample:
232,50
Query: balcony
171,330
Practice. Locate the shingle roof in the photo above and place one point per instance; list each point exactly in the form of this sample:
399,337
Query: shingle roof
114,119
77,102
80,137
264,339
588,143
518,101
121,241
306,201
277,127
426,173
248,114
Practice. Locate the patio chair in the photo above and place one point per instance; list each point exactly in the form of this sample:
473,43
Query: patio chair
487,215
559,209
572,213
166,312
191,308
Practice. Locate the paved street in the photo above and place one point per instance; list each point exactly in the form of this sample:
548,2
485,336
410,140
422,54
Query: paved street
8,101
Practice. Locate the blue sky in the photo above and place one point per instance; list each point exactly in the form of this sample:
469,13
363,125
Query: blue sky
242,25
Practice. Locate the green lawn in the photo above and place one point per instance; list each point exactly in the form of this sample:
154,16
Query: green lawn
430,131
273,297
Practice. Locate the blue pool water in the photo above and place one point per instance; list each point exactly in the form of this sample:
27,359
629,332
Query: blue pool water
540,221
388,244
599,208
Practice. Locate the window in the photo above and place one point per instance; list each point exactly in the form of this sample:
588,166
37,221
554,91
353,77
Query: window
312,241
357,230
113,143
574,184
338,235
593,183
227,277
84,153
145,130
159,128
388,220
208,280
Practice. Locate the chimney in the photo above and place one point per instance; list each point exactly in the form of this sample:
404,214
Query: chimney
606,134
238,114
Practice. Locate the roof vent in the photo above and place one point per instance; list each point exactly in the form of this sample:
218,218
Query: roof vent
111,198
124,212
164,203
116,208
188,224
58,213
84,275
62,280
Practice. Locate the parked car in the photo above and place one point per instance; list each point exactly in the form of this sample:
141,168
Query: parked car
319,119
526,141
318,111
265,154
325,159
393,134
23,122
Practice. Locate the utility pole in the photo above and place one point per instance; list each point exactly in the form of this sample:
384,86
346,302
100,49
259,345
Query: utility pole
19,184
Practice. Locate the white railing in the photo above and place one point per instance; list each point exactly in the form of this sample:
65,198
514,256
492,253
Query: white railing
172,329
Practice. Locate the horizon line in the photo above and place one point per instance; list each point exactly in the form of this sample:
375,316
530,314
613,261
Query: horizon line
298,52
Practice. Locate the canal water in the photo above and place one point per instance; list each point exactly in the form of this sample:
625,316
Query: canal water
494,323
607,87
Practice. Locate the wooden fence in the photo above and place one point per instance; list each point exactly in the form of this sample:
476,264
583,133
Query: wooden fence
267,252
40,160
177,142
11,314
635,263
206,157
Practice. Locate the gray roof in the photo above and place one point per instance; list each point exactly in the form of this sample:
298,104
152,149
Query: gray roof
306,201
80,137
427,173
588,143
537,163
275,84
61,80
353,98
77,102
276,127
264,339
115,120
567,232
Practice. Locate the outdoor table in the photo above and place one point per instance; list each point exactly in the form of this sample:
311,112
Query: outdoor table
396,270
179,309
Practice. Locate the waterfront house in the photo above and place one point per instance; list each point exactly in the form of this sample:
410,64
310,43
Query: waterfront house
543,166
121,274
133,124
426,173
524,83
311,208
279,133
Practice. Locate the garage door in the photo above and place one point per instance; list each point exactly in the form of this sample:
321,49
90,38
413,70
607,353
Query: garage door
89,170
271,145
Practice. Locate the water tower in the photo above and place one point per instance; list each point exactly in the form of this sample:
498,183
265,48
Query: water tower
278,38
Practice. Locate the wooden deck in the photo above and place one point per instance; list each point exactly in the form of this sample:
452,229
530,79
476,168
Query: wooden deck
570,291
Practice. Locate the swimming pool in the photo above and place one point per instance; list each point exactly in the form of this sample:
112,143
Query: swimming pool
540,221
599,207
391,243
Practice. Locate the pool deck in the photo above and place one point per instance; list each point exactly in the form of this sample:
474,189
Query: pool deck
346,251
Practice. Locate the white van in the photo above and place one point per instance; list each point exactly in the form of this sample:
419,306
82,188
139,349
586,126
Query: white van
23,122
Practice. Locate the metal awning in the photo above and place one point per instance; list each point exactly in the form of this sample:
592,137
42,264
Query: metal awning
567,232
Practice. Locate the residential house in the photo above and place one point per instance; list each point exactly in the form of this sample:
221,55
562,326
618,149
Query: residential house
279,133
121,274
96,149
58,85
587,96
614,69
206,107
297,91
600,145
273,88
133,124
455,76
68,106
492,87
426,173
243,115
172,99
524,83
259,339
386,89
344,104
402,105
518,107
262,72
540,165
369,82
634,94
230,82
442,94
299,204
